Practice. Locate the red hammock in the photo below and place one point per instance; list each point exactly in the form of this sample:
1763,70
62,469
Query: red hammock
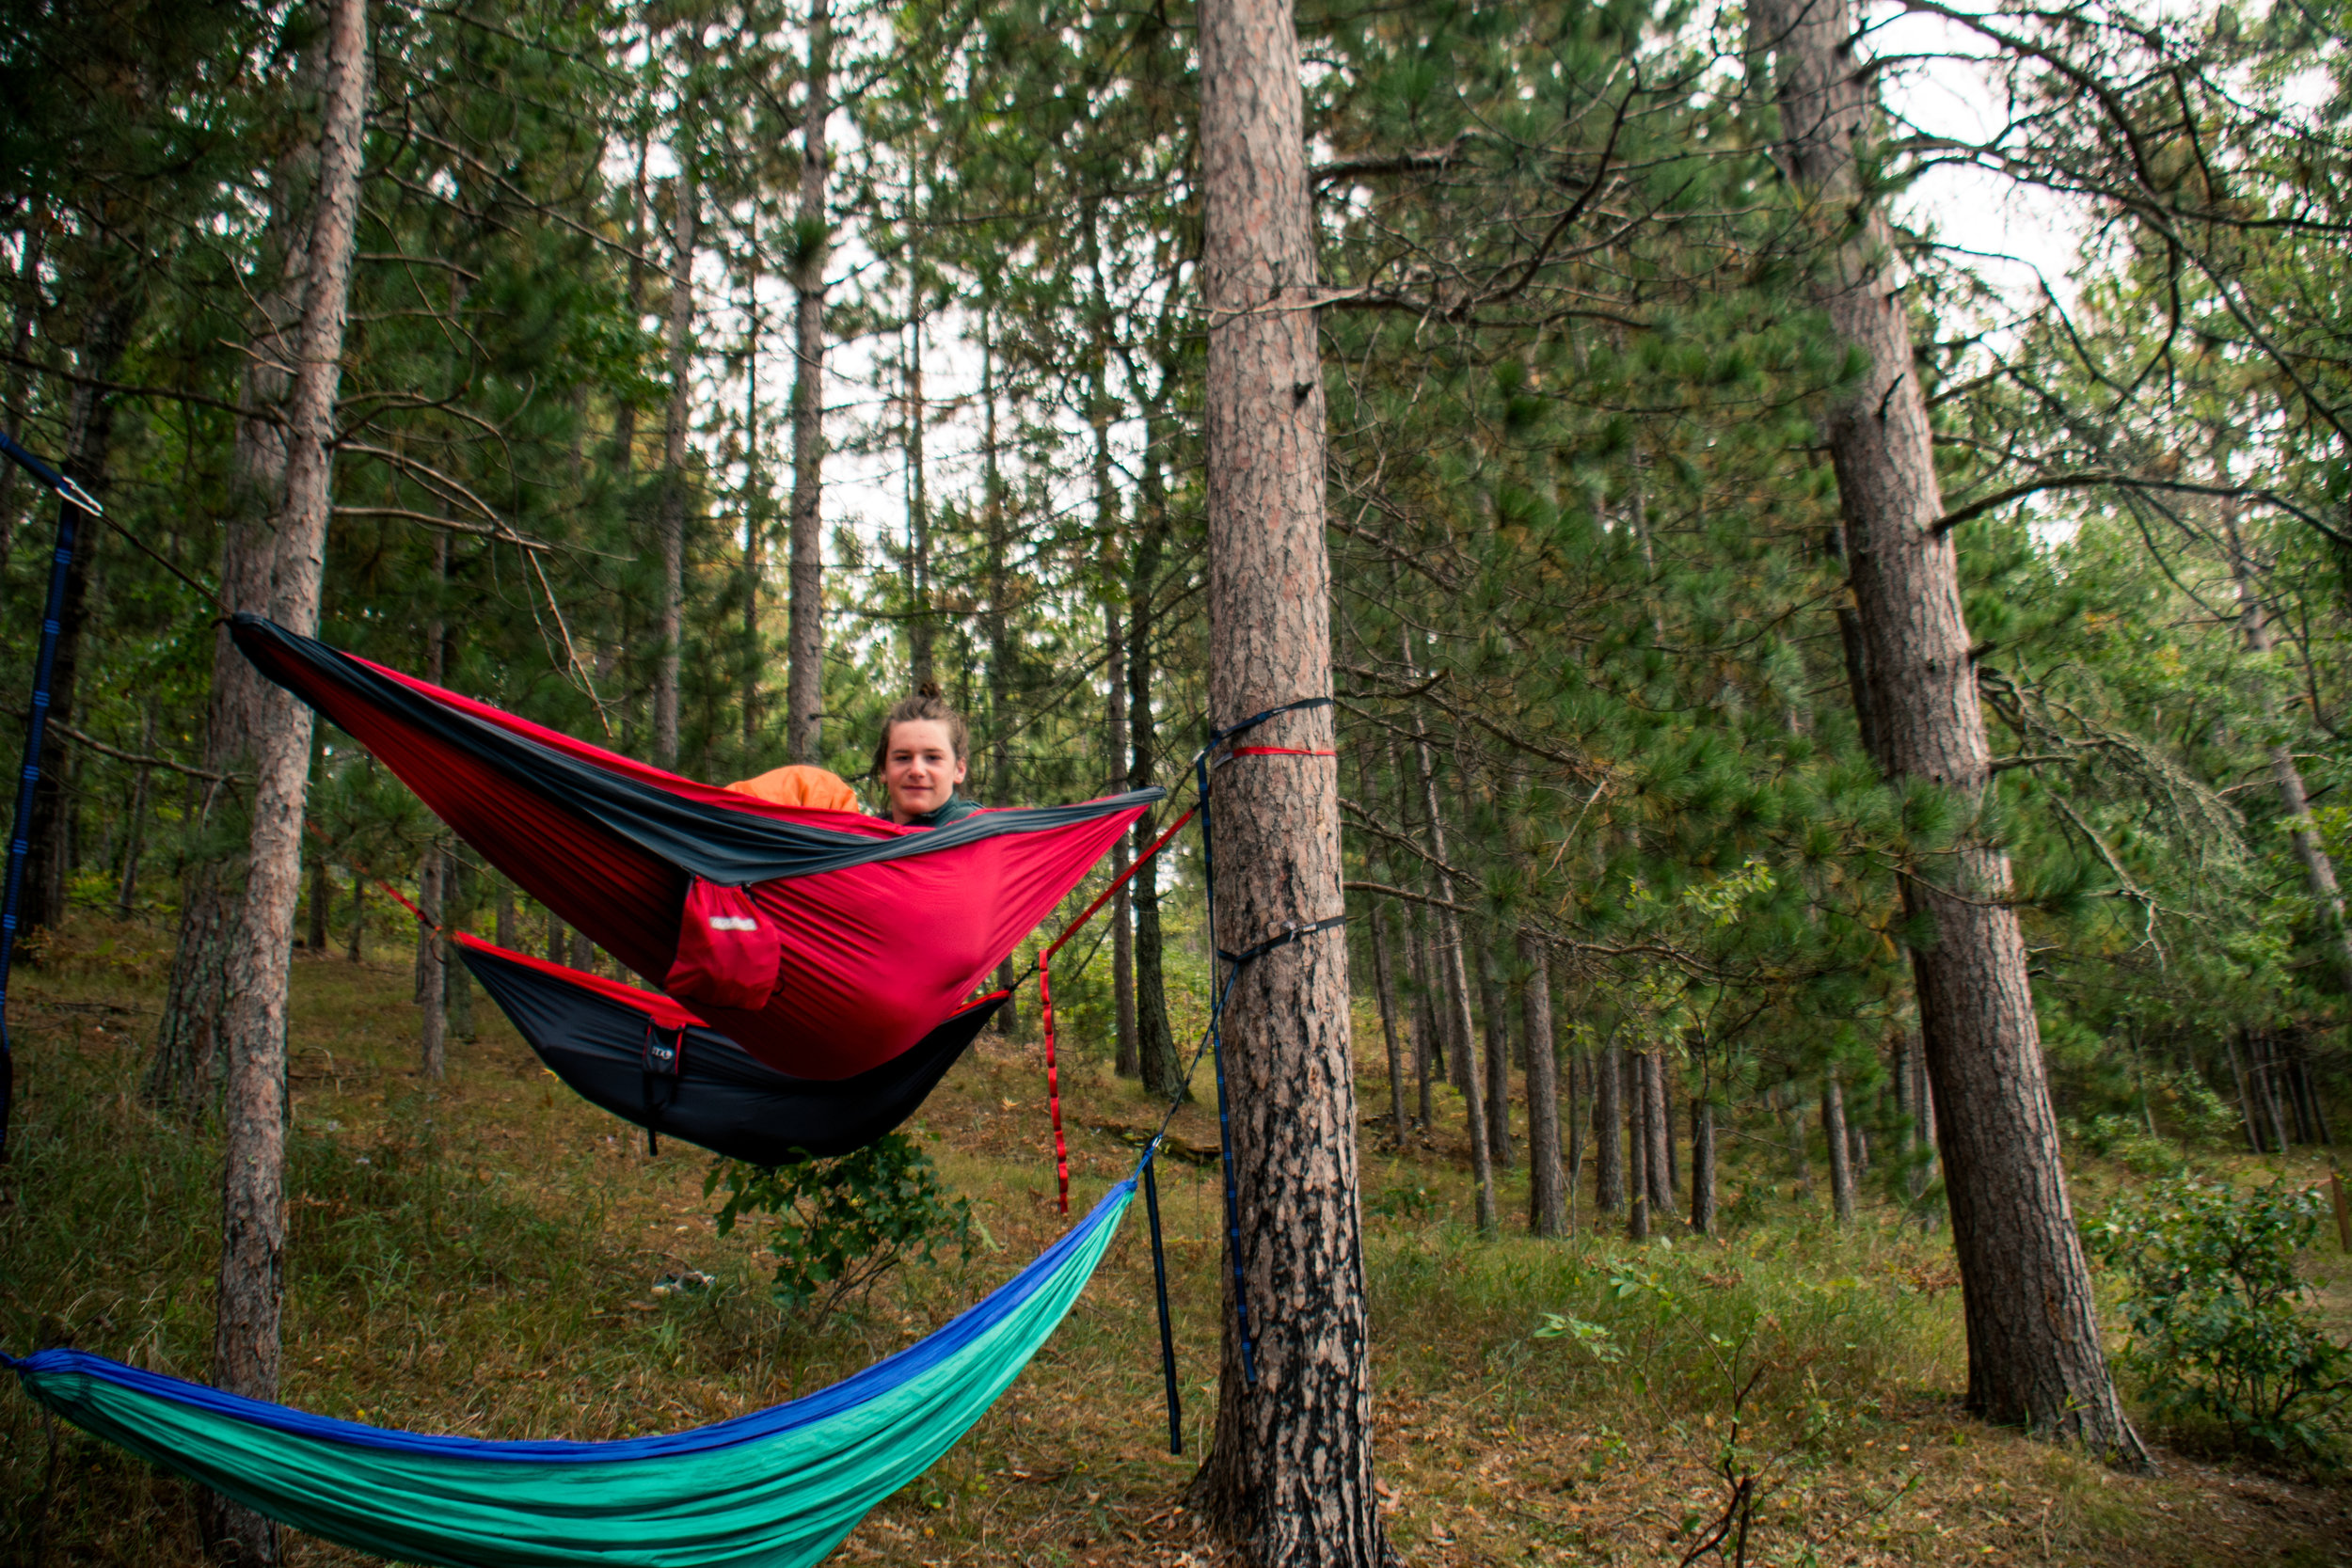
878,932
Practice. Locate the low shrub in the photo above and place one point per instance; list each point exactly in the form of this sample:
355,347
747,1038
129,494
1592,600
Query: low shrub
2220,1334
841,1224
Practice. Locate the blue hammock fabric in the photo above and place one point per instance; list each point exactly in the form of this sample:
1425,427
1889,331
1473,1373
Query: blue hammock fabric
777,1488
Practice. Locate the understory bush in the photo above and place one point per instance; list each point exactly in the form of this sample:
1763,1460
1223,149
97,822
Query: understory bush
2220,1332
841,1224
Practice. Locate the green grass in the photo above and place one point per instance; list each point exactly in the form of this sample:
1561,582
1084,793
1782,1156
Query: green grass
479,1256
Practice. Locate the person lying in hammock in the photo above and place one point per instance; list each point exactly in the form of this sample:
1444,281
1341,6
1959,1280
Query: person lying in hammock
924,753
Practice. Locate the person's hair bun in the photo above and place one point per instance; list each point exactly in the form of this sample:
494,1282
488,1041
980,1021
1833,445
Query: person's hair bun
930,690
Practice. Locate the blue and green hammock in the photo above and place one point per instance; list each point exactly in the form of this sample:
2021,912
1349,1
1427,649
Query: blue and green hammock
775,1489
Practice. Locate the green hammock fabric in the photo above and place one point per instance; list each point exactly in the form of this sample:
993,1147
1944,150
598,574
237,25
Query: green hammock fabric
776,1488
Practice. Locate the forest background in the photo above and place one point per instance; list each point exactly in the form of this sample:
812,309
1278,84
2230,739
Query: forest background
715,375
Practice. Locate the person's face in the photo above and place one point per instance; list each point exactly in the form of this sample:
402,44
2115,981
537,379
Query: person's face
920,770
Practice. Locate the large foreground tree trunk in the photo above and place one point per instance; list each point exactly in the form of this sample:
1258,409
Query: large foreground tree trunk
253,1206
804,603
2033,1335
1290,1479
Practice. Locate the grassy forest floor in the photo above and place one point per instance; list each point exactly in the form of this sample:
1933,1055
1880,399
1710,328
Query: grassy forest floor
481,1257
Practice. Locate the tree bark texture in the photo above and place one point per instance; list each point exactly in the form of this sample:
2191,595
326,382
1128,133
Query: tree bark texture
1129,1053
804,607
1659,1128
2034,1350
1161,1064
1608,1133
185,1064
1290,1477
1635,1131
670,614
1459,1029
246,1341
1840,1149
1495,1035
1702,1164
1546,1183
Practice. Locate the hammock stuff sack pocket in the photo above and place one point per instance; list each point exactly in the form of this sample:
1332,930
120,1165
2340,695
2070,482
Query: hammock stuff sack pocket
727,954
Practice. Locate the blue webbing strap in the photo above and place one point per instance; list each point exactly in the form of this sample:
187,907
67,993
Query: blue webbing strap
72,502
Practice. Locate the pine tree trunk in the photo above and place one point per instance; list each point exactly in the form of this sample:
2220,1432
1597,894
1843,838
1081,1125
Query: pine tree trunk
2033,1334
1495,1035
804,632
355,950
1609,1183
506,937
1580,1069
253,1209
1385,983
920,632
1702,1164
1162,1066
1658,1126
1840,1152
1636,1073
669,619
1290,1479
1128,1058
2245,1092
182,1071
1546,1183
1459,1028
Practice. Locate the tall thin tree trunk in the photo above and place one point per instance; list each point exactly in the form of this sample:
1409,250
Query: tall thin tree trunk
1609,1183
1495,1035
1377,918
756,503
1840,1151
136,827
920,632
432,980
1579,1070
355,949
1129,1052
186,1060
804,633
1162,1068
1636,1131
1703,1162
1457,1006
670,617
997,530
1290,1477
245,1343
1658,1126
2034,1347
1546,1183
2244,1089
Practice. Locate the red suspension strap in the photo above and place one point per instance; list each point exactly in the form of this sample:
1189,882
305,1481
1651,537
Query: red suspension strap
1045,998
